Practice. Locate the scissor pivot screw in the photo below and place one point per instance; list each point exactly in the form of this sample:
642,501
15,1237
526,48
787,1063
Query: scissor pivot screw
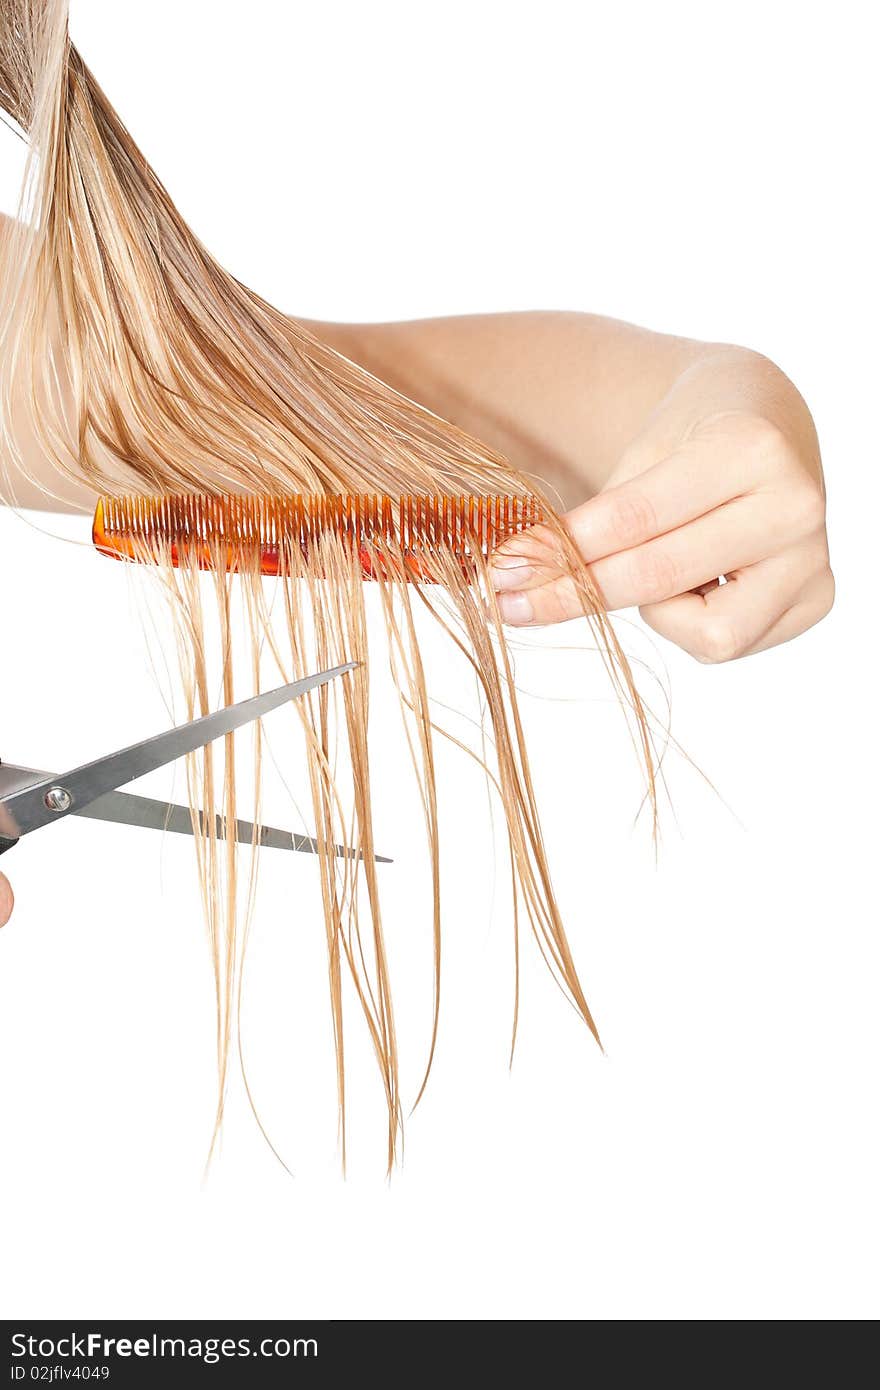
58,799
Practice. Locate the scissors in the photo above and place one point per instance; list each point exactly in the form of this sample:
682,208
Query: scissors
30,799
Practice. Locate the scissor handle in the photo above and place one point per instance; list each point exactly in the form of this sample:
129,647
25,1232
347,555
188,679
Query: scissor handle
5,842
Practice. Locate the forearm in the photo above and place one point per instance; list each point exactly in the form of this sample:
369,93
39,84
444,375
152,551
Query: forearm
560,394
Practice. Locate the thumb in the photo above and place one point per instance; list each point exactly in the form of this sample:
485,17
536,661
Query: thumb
6,900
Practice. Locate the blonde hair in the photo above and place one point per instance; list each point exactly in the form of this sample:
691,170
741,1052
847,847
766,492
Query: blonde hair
183,379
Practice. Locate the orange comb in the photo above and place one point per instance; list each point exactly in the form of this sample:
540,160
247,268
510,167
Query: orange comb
225,531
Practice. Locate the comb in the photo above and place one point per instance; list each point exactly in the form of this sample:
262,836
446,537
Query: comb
392,537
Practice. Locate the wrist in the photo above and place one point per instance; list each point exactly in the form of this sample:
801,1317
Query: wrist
730,380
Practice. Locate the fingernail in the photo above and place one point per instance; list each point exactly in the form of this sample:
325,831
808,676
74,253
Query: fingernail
509,576
515,609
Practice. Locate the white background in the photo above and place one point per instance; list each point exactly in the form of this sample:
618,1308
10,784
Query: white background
707,170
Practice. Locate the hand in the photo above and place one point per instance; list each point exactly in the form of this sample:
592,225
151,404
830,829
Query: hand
6,900
725,480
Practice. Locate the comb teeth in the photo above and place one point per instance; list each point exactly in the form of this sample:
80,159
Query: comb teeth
230,531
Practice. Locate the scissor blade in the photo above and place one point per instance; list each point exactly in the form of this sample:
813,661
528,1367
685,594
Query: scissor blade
27,809
123,808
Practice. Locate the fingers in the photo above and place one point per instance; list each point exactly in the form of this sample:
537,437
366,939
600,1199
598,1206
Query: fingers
815,605
669,494
729,538
6,900
527,559
673,492
758,607
724,540
553,602
735,498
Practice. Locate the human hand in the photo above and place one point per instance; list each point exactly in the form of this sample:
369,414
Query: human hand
6,900
725,480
